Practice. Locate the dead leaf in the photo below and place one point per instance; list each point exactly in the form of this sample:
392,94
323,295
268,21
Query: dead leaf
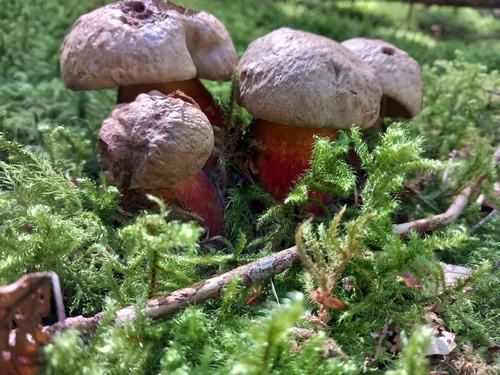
443,342
452,273
410,280
330,302
394,342
22,306
442,345
436,323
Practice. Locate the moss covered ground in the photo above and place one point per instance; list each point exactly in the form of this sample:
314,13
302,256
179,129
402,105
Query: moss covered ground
57,213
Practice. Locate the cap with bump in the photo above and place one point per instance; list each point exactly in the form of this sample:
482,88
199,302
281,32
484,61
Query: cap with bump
399,74
154,142
298,78
143,42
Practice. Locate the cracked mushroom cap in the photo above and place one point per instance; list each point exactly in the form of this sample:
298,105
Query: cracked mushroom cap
154,142
399,74
142,42
298,78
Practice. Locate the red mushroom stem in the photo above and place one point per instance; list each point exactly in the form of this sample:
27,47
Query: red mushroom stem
283,156
198,195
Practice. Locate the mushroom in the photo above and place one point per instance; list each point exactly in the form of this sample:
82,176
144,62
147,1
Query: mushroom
158,145
398,73
144,45
300,85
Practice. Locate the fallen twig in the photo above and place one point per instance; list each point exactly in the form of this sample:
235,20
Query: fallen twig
158,307
476,38
451,214
494,92
488,4
484,220
455,209
378,348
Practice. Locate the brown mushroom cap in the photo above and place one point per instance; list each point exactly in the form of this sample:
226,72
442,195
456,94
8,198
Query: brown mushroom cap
399,74
298,78
145,41
154,142
208,42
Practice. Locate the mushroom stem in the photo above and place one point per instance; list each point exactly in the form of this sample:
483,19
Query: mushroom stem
197,195
283,155
191,87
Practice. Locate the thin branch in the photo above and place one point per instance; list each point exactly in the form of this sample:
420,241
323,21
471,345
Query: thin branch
459,203
484,37
484,220
159,307
451,214
490,4
380,341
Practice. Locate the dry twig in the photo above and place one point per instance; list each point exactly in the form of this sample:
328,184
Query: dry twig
451,214
378,348
158,307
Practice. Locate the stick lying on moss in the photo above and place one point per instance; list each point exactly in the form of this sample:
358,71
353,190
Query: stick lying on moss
451,214
158,307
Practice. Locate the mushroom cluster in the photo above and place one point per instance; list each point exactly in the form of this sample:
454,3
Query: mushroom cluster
140,46
159,139
158,145
144,45
300,85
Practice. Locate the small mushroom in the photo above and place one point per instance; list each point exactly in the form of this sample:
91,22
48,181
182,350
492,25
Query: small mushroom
144,45
300,85
158,145
398,73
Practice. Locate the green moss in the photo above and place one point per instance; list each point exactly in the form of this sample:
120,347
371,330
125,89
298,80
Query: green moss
57,212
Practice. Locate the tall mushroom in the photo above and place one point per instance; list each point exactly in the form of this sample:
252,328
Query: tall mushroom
158,145
298,85
398,73
143,45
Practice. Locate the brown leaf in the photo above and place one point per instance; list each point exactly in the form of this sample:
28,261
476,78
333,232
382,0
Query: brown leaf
411,281
22,306
394,342
330,302
443,341
451,274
